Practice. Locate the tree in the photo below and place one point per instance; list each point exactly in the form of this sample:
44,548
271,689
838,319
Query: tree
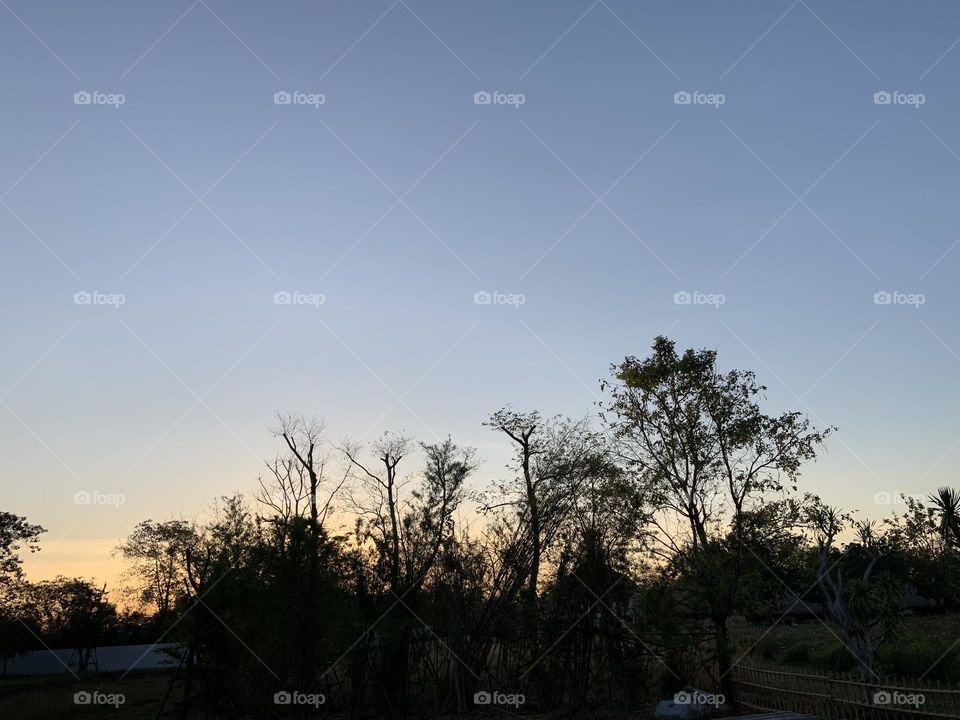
157,553
552,459
73,613
16,534
946,503
706,456
863,600
382,487
302,472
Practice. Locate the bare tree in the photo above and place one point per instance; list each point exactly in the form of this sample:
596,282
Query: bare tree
298,476
381,482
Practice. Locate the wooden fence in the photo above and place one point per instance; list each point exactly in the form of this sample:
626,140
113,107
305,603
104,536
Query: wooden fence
844,697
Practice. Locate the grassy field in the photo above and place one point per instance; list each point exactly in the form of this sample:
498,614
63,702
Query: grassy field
52,696
926,646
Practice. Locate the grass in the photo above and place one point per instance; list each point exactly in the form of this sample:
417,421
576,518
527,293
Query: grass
52,696
924,646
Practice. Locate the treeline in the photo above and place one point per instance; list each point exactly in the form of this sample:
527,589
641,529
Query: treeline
605,567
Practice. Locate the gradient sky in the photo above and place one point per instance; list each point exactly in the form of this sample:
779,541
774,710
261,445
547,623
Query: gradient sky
398,198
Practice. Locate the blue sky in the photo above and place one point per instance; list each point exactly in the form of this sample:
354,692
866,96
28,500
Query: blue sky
398,198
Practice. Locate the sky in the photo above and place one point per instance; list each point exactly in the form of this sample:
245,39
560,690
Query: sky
405,215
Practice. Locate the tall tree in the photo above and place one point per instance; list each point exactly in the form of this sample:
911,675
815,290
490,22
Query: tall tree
706,456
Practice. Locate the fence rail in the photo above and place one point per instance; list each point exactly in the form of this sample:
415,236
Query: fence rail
844,697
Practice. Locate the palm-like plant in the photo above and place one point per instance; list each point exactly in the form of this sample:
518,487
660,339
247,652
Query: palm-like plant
946,503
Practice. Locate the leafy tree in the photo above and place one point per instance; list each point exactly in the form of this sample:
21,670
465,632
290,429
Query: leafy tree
157,553
707,457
